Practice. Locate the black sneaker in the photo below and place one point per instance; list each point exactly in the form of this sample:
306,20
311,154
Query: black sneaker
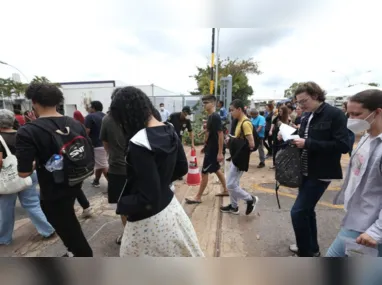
251,205
261,165
229,209
96,184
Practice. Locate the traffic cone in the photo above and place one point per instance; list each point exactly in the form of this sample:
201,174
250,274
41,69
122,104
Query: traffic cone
193,175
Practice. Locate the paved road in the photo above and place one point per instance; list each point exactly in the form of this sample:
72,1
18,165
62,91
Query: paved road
267,232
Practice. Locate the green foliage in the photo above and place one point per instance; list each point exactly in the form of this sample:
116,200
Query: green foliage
289,93
9,87
373,84
238,69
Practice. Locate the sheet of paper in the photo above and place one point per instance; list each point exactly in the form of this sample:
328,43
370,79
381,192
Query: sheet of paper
286,132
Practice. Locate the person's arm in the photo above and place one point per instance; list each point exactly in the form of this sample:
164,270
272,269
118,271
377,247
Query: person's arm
25,153
103,134
146,182
181,167
1,159
88,124
219,128
374,232
189,129
340,137
248,133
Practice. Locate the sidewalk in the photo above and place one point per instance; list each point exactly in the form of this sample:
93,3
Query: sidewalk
267,232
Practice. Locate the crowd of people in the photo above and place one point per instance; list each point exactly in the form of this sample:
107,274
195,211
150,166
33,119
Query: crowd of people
139,151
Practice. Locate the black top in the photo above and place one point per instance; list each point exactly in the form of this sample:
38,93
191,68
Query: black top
180,125
297,121
10,140
214,126
268,122
155,158
327,140
35,144
93,122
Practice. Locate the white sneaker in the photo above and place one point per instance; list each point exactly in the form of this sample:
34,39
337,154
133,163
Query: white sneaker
293,248
86,213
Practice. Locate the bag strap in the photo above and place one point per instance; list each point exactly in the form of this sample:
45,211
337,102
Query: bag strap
7,150
53,129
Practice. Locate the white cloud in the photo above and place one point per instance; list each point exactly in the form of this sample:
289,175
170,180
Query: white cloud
84,40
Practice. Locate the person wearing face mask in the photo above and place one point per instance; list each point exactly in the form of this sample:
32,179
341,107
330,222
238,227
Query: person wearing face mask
163,113
181,122
362,188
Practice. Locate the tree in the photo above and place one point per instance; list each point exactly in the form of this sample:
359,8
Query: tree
373,84
289,93
238,69
9,87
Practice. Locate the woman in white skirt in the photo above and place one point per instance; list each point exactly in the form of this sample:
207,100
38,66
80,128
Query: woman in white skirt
157,225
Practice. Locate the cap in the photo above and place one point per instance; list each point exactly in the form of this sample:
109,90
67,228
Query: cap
187,110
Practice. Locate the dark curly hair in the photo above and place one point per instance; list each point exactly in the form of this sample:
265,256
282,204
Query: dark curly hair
45,94
132,109
312,89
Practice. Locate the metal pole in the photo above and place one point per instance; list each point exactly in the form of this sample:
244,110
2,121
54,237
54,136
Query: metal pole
217,63
212,62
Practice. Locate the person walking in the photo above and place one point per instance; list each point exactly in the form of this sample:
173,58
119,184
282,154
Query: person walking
259,125
29,198
157,225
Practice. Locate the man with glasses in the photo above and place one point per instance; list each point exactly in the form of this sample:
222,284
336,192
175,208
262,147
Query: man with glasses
213,150
323,140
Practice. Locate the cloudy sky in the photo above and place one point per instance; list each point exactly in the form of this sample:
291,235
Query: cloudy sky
160,42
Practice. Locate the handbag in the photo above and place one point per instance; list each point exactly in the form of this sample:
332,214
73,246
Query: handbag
10,181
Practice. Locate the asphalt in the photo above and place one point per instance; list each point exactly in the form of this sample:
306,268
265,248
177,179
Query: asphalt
266,232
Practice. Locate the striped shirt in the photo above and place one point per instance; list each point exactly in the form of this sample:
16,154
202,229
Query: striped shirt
304,154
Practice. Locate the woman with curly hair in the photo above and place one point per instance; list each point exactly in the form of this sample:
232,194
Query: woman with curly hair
157,225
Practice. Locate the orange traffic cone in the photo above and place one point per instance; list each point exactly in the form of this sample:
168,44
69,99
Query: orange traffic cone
193,176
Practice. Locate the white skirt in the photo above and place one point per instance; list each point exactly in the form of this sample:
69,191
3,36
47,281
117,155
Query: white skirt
169,233
101,158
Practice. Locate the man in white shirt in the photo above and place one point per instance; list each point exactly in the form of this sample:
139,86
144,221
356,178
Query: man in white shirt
362,191
163,113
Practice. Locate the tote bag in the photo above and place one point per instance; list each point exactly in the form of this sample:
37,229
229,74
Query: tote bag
10,182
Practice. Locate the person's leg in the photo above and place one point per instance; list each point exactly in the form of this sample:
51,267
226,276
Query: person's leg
261,153
274,152
61,215
7,218
221,177
233,185
105,173
82,200
98,174
207,166
266,145
338,247
303,215
30,201
270,143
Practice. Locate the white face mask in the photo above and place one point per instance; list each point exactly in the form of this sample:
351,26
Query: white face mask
162,108
188,117
359,125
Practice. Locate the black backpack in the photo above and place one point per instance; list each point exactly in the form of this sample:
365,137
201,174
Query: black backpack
288,167
76,149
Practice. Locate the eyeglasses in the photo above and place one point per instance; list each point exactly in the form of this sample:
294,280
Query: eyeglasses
302,102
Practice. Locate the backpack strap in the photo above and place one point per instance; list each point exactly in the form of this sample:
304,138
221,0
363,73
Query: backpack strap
5,146
242,131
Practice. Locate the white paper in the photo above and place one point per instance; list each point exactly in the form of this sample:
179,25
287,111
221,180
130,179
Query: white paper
286,132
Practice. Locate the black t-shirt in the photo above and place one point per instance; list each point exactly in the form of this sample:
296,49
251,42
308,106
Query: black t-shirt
35,144
297,121
93,122
180,125
10,140
268,122
214,126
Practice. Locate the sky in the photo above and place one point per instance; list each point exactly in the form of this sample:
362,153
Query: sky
161,42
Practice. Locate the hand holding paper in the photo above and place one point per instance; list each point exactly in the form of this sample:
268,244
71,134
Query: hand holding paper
287,131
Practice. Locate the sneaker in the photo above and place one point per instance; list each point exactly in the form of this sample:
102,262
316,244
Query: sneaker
119,240
68,254
96,184
261,165
251,205
293,248
86,213
230,209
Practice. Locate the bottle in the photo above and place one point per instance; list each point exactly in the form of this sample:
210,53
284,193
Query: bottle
56,162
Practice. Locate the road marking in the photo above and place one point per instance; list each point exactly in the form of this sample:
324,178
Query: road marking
266,190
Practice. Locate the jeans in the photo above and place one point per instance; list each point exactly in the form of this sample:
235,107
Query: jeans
337,249
233,186
30,201
304,217
261,151
60,213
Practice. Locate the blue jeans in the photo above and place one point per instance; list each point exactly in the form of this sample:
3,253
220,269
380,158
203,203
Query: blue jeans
30,201
304,216
337,249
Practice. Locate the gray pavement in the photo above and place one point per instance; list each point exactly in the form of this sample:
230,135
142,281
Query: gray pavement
267,232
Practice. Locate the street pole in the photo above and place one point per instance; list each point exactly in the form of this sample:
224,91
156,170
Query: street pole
212,62
4,63
217,64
